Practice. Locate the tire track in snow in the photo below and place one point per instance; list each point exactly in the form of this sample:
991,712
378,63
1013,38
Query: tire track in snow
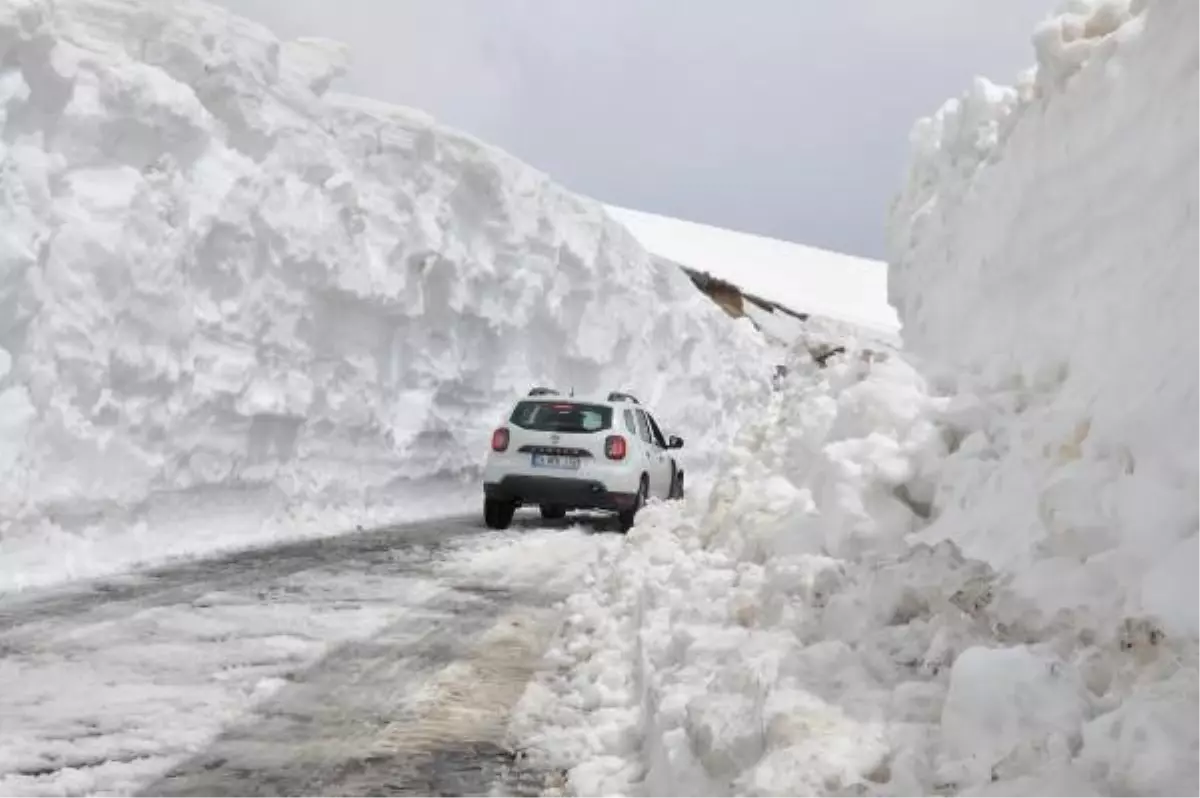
450,740
419,709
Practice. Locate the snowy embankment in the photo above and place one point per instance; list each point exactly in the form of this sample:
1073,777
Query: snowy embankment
838,287
744,645
975,578
233,306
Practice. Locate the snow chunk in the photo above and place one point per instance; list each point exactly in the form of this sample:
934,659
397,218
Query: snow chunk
315,62
1147,745
1006,703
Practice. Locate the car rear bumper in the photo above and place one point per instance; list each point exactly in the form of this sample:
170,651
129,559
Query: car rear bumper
573,494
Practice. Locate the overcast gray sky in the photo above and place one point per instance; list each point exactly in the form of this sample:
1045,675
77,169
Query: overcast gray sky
787,118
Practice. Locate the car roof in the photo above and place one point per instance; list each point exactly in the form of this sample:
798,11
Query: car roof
623,404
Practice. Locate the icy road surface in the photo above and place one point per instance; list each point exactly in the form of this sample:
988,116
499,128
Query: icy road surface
385,661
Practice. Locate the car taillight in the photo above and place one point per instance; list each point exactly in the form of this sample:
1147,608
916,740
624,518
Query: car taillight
614,447
500,439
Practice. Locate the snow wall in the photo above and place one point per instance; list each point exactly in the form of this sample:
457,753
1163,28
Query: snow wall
234,306
1045,252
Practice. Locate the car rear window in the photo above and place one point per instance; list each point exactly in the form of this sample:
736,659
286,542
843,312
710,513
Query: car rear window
560,416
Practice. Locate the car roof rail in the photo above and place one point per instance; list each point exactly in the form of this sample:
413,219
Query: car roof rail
618,396
539,390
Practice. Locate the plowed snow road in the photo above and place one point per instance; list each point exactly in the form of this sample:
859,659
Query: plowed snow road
377,663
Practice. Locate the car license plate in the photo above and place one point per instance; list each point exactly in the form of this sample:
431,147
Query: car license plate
555,461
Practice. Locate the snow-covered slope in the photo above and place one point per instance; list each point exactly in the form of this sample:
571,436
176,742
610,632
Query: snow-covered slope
805,279
232,306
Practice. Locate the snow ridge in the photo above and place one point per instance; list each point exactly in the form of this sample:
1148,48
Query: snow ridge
235,307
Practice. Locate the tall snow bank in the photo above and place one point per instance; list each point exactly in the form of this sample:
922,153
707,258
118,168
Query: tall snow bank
1046,252
1049,232
792,634
233,306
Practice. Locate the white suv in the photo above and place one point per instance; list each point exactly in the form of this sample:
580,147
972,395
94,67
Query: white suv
564,453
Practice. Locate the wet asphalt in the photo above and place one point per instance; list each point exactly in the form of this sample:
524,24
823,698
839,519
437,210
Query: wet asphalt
107,687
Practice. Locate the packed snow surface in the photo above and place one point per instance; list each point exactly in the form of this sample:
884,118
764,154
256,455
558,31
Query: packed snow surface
806,279
970,569
233,306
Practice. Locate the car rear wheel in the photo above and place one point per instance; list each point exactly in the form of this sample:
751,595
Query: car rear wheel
677,486
627,517
553,512
498,514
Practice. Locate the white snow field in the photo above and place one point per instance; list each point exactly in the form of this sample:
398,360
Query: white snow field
235,307
806,279
976,575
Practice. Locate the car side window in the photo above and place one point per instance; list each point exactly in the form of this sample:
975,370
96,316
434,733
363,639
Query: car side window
630,427
659,440
643,427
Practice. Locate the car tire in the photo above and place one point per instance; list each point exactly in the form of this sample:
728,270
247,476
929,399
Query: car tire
498,514
626,518
677,486
553,512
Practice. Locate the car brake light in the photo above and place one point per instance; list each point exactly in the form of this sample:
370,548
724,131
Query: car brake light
500,439
614,447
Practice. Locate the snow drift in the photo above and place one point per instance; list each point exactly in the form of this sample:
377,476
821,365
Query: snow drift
232,305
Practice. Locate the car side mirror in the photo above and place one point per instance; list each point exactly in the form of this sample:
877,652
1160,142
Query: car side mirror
674,442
